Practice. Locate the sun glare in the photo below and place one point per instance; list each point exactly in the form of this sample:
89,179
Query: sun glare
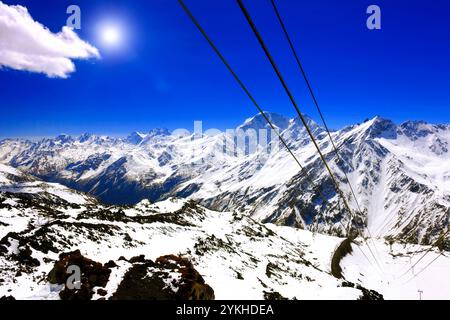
111,35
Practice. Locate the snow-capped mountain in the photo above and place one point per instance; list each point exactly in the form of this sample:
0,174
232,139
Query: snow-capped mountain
400,173
177,249
135,252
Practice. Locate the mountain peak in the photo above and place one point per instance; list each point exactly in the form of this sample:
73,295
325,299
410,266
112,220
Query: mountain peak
63,138
379,119
85,137
311,123
159,132
418,129
379,127
297,129
136,137
258,122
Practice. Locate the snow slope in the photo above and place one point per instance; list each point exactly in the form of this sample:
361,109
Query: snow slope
239,257
400,278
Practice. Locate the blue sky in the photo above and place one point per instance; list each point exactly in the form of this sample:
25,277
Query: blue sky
165,74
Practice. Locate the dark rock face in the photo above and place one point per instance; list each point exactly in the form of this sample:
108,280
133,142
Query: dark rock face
91,163
93,274
110,264
344,249
416,129
366,293
382,128
273,296
164,158
138,285
25,257
148,280
192,286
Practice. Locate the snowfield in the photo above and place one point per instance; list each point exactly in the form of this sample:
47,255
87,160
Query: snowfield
237,256
399,277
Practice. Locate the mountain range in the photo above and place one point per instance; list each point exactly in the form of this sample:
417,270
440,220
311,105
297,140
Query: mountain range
400,174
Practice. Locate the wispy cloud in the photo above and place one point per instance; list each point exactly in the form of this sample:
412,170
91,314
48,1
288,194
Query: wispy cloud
26,44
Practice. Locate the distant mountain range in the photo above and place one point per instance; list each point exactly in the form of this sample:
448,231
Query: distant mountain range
400,173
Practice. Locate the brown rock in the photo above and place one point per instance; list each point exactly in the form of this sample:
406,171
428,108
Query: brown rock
93,274
102,292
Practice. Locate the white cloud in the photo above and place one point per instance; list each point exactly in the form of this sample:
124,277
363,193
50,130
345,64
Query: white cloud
28,45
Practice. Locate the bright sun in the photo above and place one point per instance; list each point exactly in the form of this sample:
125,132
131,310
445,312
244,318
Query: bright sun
111,35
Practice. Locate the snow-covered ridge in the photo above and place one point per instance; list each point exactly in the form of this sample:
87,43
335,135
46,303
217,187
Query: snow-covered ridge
400,173
237,256
13,181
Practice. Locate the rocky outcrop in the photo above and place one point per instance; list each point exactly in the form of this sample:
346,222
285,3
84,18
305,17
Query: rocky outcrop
168,278
93,274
